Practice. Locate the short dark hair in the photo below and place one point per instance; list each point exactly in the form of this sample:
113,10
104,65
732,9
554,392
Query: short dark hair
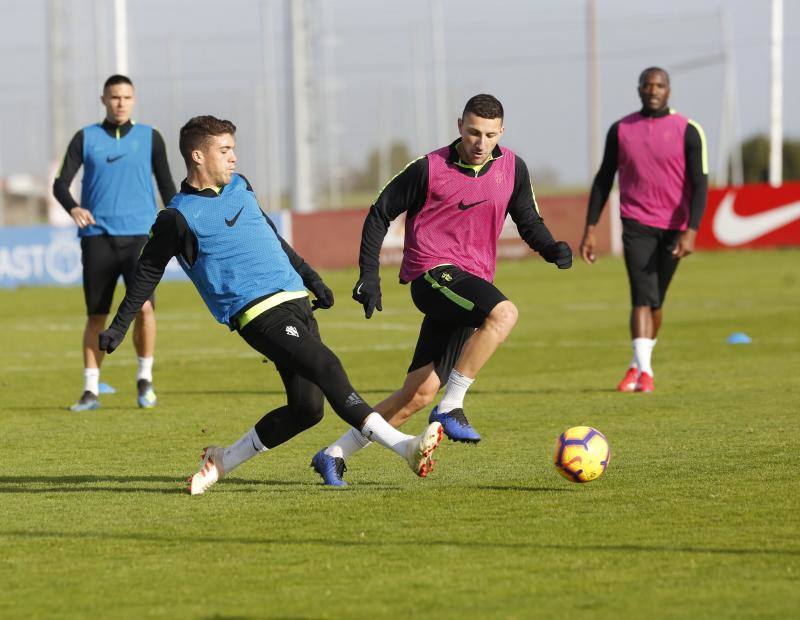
485,106
643,75
198,130
117,79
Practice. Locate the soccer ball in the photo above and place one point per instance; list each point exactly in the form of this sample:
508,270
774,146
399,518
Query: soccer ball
582,454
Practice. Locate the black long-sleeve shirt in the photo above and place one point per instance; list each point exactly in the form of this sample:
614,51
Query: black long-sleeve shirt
73,160
407,192
693,154
171,236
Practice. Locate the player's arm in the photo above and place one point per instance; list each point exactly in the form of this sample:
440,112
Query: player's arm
72,162
168,237
696,157
406,192
158,160
601,188
524,210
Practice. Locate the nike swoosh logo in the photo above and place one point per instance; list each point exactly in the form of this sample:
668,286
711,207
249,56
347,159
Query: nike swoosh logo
464,207
111,159
731,228
358,290
235,217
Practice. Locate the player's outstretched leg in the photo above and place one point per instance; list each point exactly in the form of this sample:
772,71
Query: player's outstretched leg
418,391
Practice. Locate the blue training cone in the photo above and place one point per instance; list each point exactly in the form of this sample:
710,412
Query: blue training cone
739,338
106,389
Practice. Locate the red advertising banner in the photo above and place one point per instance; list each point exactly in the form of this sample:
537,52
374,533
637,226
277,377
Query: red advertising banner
751,216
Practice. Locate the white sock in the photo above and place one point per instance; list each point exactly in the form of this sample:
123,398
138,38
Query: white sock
349,443
457,386
245,448
145,370
642,352
377,429
91,380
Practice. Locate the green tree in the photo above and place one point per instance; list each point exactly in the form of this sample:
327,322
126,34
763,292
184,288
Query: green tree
755,159
369,178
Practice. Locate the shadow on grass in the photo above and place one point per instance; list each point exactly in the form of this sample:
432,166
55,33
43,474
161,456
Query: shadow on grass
333,543
89,484
524,489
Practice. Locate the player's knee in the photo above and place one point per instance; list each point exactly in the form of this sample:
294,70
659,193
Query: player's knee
307,406
503,317
308,414
96,322
147,309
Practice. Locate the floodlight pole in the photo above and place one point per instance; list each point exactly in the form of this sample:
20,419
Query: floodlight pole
421,109
269,145
121,35
729,163
302,195
593,87
58,99
98,19
439,72
776,109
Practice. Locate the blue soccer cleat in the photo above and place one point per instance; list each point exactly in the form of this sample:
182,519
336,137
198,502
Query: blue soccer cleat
455,425
330,468
87,402
146,396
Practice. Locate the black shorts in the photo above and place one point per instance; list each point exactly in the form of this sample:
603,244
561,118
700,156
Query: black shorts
105,259
455,303
649,261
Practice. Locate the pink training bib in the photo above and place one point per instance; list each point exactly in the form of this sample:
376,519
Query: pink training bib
462,218
653,189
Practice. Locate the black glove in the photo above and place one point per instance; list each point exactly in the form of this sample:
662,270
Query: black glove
324,295
367,292
110,339
558,253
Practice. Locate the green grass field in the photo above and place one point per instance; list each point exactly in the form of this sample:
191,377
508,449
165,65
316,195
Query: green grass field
698,515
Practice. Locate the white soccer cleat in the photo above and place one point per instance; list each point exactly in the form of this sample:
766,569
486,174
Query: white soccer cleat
420,448
211,470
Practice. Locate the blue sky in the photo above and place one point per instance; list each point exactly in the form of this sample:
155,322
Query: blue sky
372,74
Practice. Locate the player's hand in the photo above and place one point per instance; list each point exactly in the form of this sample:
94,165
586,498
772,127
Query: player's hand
685,244
82,217
110,339
558,253
588,246
367,292
324,295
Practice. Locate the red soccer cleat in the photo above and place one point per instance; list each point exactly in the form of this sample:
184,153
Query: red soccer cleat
628,383
645,383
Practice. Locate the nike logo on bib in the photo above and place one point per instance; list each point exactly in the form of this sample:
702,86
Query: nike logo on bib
464,207
111,159
734,229
235,217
